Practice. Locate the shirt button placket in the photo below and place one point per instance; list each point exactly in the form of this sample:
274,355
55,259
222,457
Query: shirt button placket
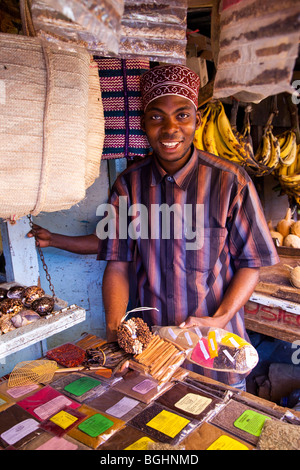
170,254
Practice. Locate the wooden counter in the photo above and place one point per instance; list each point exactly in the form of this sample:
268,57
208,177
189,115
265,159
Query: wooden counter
274,307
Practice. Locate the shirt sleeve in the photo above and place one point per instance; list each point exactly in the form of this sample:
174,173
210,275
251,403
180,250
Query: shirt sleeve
112,229
250,241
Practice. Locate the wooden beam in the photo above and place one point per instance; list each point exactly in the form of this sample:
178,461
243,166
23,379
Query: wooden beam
200,3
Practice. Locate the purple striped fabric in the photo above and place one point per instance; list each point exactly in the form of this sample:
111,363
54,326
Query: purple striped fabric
178,281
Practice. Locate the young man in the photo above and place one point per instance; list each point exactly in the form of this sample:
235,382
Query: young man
195,229
185,284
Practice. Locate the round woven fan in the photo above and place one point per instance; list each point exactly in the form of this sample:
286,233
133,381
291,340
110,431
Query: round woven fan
39,371
32,372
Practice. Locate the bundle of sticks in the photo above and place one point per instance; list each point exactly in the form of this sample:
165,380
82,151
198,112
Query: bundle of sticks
160,359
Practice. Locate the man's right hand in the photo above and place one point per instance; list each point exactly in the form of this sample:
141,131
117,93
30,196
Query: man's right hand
42,235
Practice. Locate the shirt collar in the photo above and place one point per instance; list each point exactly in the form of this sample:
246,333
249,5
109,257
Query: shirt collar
181,177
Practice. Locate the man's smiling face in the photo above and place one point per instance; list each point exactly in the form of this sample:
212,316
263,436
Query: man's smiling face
170,123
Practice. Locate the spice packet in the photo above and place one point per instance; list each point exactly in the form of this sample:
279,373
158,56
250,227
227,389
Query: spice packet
79,387
241,420
210,437
190,402
117,404
67,355
128,438
17,427
62,421
45,402
164,425
212,348
140,386
96,428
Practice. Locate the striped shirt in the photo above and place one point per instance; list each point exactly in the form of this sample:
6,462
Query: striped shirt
210,199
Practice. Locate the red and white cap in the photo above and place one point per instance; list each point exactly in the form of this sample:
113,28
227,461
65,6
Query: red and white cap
170,80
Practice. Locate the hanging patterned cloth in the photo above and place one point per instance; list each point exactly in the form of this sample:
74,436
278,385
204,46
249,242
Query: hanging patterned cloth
122,105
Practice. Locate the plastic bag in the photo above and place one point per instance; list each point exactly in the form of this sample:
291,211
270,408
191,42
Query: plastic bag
258,48
154,29
93,25
212,348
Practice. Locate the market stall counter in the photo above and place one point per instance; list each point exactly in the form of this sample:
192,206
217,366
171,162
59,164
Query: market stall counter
106,407
274,307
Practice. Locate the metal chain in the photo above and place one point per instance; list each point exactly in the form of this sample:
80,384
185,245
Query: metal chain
42,258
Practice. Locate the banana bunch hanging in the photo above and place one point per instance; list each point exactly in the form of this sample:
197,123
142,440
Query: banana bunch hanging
277,155
220,137
288,174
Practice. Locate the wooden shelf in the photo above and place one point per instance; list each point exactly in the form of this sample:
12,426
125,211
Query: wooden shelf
60,319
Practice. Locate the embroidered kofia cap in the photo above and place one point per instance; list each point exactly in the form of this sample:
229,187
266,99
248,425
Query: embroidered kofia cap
170,80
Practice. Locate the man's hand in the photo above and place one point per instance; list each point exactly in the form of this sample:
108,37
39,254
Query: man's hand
213,322
237,294
42,235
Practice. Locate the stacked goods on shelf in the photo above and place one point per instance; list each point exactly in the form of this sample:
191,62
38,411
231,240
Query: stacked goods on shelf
287,231
21,305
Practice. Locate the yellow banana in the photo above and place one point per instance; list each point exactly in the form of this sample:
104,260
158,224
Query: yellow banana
263,153
209,134
222,149
198,138
291,156
227,133
286,141
275,151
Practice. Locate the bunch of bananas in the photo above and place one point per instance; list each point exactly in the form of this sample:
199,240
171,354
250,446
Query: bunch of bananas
277,155
217,136
288,174
268,151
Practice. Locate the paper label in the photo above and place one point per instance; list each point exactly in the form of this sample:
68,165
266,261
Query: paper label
17,392
63,419
192,403
168,423
144,387
172,333
250,421
234,340
140,444
51,407
227,443
81,386
203,349
95,425
58,443
122,407
198,332
188,338
20,430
